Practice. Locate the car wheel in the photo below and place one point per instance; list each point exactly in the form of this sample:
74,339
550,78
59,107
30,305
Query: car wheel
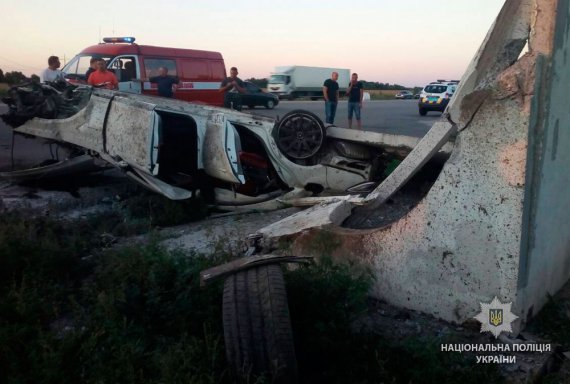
251,106
423,111
257,325
300,134
270,104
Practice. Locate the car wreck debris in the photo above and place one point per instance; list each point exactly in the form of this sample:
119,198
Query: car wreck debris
57,100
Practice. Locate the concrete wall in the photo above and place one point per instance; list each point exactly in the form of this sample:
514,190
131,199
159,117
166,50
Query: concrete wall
495,221
545,249
460,245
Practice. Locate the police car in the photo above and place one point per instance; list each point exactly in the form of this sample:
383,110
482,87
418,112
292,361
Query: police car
436,95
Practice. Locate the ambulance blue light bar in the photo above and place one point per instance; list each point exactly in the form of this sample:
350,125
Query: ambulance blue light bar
119,40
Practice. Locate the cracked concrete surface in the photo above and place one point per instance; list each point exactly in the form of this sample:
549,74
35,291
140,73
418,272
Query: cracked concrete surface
463,244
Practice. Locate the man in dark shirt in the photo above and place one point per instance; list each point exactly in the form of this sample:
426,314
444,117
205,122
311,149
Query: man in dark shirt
232,87
165,83
354,93
330,93
92,67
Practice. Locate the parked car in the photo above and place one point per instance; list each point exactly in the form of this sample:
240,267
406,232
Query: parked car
404,95
256,96
416,95
436,95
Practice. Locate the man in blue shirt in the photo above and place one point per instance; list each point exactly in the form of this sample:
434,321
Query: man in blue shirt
165,83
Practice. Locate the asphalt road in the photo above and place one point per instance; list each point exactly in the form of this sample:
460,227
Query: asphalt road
398,117
388,116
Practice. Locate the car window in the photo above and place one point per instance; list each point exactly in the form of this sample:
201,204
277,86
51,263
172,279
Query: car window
125,68
251,87
218,70
80,64
151,66
277,79
436,88
195,69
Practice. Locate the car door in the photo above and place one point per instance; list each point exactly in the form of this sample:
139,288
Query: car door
130,127
221,148
127,72
252,96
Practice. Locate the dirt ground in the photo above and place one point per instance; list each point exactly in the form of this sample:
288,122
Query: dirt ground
96,193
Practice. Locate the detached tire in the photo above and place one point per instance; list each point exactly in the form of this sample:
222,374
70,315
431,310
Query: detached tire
257,326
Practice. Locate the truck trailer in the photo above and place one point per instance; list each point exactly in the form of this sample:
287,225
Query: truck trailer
290,82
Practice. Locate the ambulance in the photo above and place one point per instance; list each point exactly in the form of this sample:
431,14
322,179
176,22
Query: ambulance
200,72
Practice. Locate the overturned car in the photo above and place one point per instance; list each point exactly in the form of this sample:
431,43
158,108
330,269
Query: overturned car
176,148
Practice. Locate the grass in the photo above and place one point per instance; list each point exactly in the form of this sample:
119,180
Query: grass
379,94
325,301
133,315
72,312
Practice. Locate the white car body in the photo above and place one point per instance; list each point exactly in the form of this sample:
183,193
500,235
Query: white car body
174,147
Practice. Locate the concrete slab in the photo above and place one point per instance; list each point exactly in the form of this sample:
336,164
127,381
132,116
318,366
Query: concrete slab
430,144
318,216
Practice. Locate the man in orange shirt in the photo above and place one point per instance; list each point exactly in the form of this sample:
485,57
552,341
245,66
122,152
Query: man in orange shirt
102,78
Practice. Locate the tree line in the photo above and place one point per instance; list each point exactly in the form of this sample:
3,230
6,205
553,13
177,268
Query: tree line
13,77
16,77
262,83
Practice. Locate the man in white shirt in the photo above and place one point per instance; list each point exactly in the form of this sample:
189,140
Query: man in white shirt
52,73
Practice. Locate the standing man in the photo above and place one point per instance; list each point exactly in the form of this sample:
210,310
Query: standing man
232,87
52,73
355,94
92,67
103,78
166,84
330,93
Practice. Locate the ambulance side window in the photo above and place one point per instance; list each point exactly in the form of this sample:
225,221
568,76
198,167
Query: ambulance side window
195,69
151,67
218,70
124,68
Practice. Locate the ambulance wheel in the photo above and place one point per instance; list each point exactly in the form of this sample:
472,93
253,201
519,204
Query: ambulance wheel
257,326
300,134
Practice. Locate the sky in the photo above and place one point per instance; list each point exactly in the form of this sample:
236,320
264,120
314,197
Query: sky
407,42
